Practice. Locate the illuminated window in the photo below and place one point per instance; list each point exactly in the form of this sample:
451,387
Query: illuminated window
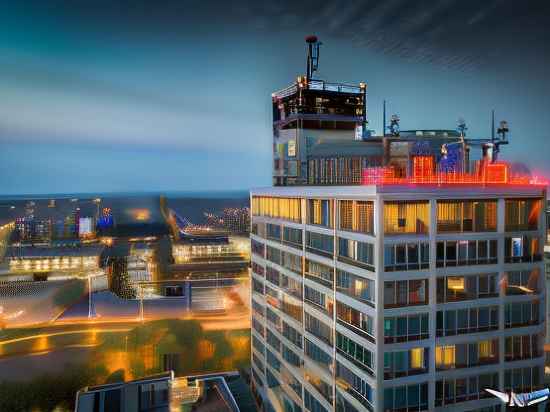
456,283
466,216
522,214
445,357
275,207
522,249
406,217
416,358
357,216
320,212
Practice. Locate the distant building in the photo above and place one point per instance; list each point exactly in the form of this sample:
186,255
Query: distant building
142,266
31,230
86,227
66,227
223,392
208,255
234,220
74,260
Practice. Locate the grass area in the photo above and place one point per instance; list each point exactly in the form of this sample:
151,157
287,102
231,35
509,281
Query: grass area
50,392
144,350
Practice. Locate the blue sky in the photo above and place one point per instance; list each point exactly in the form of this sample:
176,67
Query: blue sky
119,99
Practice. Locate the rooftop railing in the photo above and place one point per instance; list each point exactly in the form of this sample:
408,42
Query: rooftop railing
319,85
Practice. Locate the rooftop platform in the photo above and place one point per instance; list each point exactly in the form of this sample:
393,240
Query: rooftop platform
317,85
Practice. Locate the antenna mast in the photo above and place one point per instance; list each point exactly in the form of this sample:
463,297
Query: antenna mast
384,119
493,125
312,56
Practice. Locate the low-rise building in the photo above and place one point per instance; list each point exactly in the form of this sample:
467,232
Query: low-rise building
54,260
222,392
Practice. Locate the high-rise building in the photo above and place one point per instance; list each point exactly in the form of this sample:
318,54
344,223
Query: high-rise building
403,284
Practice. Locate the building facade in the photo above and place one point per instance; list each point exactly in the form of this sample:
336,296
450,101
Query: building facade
391,272
396,297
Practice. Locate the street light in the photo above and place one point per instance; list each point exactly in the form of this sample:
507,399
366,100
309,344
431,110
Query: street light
91,313
140,296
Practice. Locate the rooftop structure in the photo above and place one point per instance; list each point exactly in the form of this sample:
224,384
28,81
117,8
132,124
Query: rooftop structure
321,136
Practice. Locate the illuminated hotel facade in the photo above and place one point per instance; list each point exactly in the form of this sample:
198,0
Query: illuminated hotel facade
387,274
394,298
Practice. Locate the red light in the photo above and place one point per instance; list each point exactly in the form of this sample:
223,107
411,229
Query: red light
423,172
423,168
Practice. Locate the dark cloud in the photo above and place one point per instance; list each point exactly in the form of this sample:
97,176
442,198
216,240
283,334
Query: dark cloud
452,33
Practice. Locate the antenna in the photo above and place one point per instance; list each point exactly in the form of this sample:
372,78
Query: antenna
384,120
312,56
462,127
493,125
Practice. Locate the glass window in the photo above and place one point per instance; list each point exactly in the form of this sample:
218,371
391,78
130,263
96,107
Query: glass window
357,216
405,293
281,208
522,214
466,216
320,243
320,212
355,286
356,253
462,320
406,217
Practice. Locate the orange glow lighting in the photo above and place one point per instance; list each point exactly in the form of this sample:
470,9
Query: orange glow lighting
423,172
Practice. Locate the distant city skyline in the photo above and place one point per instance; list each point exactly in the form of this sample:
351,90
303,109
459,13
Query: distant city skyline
117,98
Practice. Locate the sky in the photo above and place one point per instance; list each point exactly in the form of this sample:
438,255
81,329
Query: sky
120,95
